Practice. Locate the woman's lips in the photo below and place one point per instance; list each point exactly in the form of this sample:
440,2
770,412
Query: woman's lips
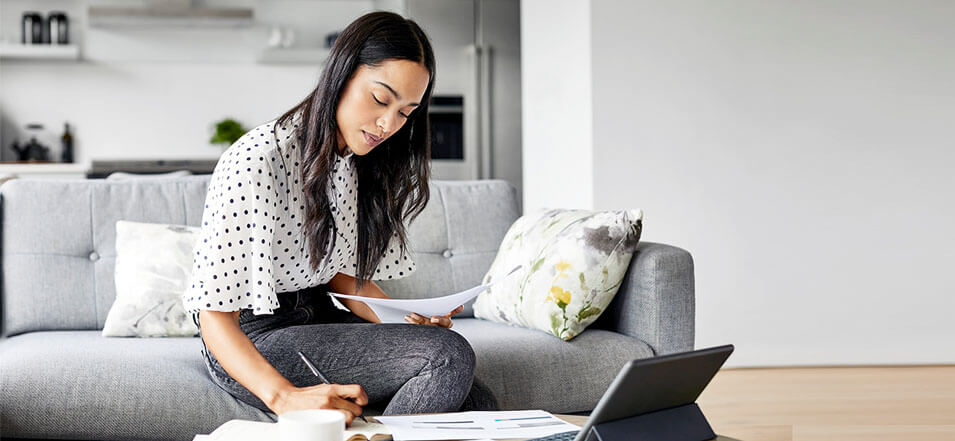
371,140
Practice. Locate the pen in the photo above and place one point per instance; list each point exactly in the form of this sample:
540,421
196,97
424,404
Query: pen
320,376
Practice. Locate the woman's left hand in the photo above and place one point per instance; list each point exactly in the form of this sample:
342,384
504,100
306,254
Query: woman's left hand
443,321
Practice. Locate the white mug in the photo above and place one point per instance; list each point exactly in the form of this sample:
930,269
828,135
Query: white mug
312,425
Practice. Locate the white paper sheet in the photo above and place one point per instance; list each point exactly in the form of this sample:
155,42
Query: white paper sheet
395,310
246,430
476,425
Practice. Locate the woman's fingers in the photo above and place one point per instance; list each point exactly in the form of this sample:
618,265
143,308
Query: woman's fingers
349,417
442,321
346,406
415,319
353,391
445,320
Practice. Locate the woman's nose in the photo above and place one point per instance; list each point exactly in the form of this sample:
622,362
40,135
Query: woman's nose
386,123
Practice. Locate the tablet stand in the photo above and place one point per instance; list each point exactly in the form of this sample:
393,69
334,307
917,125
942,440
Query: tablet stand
684,423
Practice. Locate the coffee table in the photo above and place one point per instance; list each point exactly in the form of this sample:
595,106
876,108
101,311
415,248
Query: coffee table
579,420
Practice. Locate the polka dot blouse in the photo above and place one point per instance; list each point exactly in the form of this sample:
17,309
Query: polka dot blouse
251,245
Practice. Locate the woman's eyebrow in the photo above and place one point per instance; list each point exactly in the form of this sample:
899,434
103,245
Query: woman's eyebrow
397,97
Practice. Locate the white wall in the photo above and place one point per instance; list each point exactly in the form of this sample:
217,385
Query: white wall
803,152
557,141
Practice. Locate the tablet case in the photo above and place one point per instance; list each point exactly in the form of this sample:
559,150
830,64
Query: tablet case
683,423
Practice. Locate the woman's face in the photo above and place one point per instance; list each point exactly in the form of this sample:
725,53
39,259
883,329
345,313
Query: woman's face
377,102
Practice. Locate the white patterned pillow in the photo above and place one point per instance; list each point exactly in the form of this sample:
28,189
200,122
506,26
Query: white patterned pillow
573,263
153,264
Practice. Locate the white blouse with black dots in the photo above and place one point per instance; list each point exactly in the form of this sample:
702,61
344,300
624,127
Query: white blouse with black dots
251,245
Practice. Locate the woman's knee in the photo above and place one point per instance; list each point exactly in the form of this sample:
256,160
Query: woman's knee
446,344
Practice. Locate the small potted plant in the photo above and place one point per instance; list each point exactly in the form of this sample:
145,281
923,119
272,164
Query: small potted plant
227,132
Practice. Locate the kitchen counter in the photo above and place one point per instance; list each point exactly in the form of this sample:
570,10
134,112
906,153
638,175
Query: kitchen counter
44,169
103,167
100,168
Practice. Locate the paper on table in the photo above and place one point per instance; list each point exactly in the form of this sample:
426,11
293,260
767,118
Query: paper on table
476,425
246,430
394,310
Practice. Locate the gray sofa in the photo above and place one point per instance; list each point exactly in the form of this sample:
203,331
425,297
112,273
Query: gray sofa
59,378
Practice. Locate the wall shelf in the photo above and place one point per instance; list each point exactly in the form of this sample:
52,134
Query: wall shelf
14,51
295,55
167,14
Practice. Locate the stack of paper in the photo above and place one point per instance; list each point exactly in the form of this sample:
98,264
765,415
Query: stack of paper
476,425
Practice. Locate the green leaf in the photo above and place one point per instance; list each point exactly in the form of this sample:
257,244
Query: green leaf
550,225
555,325
537,265
583,285
513,240
587,312
613,287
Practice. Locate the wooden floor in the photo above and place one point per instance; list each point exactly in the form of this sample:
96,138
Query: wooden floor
836,403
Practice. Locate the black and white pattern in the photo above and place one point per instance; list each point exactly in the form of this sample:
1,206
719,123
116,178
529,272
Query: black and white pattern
251,244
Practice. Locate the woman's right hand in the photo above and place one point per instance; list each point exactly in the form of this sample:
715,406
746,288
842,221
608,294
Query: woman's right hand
347,398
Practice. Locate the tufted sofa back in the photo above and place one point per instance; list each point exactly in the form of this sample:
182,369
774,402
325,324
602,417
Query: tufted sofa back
58,241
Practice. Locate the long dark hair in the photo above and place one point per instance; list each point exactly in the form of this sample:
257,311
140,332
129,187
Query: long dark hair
393,177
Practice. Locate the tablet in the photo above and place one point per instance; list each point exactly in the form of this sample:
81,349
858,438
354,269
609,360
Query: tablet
658,383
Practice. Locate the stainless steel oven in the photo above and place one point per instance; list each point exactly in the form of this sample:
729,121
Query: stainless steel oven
446,114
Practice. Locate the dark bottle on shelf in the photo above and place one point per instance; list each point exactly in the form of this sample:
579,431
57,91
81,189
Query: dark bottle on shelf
67,139
57,24
32,28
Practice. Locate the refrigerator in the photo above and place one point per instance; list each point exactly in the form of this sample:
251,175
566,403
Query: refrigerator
477,53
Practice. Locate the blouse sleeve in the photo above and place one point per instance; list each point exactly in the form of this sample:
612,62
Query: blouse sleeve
232,267
394,265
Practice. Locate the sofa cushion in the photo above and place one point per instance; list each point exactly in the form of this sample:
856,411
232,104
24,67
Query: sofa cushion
153,264
530,369
572,262
80,385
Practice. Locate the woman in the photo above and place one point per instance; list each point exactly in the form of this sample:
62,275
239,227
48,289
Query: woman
284,223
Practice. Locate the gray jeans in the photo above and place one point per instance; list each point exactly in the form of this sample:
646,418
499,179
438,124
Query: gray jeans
411,368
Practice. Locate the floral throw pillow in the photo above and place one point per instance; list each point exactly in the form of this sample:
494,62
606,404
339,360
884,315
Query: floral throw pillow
573,263
153,264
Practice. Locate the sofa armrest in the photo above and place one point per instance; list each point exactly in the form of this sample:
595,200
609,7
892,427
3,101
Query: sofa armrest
655,302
